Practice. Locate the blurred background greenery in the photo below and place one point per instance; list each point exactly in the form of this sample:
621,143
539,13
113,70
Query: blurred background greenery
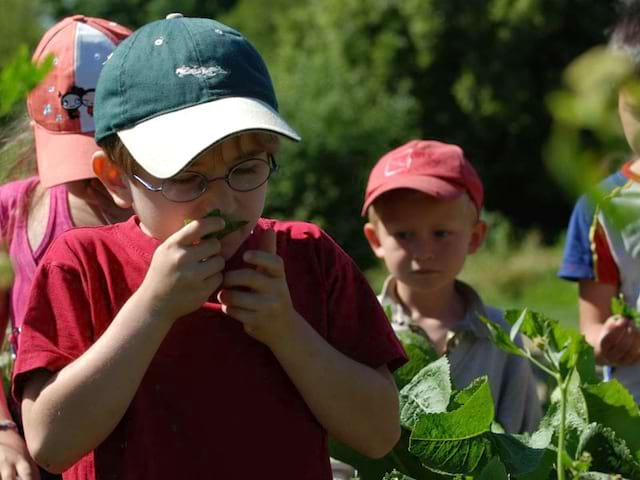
359,77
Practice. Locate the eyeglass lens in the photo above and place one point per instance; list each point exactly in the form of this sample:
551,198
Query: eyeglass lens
243,177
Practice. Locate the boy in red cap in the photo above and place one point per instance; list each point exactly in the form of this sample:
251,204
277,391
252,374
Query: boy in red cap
423,202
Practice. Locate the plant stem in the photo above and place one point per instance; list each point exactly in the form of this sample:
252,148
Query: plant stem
542,366
564,385
398,461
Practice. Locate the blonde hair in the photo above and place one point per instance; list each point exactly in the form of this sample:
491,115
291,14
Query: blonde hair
17,151
387,197
120,155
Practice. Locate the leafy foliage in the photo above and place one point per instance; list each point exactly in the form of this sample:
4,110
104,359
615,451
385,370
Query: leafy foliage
589,431
620,307
18,77
135,13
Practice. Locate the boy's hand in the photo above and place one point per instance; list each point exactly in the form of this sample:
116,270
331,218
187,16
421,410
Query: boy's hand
260,298
619,342
186,269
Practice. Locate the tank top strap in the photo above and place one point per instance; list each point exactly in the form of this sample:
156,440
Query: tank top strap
59,220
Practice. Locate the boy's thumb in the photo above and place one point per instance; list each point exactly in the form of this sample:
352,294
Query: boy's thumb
267,241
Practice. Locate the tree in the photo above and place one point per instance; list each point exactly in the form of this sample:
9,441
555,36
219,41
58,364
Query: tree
333,80
135,13
358,77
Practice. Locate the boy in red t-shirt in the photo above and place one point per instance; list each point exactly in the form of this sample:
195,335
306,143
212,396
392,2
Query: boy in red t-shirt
154,349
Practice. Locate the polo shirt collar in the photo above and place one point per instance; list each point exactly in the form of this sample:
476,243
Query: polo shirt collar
401,317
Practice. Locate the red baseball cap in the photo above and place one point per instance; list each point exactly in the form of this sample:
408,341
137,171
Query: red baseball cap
435,168
61,106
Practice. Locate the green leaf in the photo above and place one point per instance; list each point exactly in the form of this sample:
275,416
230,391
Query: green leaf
395,475
501,338
230,225
521,459
515,327
494,470
19,76
456,442
609,453
620,307
564,349
428,392
611,405
399,459
420,352
577,417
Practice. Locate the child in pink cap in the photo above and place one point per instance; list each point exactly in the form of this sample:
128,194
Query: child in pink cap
65,194
423,203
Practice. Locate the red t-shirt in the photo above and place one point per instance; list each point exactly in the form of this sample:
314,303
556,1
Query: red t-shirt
214,401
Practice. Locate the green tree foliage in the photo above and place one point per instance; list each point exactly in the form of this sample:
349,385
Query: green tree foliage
332,66
135,13
20,25
358,77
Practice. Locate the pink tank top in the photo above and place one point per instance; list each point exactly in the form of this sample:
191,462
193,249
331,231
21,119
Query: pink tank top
14,204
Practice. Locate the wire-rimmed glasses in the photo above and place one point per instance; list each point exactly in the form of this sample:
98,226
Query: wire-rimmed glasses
188,185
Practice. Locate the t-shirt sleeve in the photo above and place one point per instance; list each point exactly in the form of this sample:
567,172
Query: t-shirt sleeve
358,325
57,326
577,261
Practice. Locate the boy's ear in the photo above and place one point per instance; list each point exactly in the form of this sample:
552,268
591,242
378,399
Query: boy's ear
371,234
478,234
113,178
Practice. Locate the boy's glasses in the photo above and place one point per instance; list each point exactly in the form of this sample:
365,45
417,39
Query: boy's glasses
188,185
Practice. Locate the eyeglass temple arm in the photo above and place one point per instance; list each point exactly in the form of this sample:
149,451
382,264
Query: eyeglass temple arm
147,185
274,166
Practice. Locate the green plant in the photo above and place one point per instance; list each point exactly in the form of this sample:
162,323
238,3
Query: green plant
590,428
620,307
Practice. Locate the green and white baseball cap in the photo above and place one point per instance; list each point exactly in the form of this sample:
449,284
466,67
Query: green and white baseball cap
177,86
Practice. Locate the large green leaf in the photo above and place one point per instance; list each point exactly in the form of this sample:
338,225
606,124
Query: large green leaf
520,459
428,392
609,453
611,405
420,352
456,442
577,417
399,459
494,470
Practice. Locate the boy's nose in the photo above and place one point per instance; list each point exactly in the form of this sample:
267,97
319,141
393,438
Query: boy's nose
219,195
423,251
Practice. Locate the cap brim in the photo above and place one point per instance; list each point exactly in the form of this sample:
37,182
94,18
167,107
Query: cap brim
434,186
164,145
63,157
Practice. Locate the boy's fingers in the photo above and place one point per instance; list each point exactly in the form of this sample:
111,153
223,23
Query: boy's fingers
267,263
244,278
249,301
268,241
265,257
196,229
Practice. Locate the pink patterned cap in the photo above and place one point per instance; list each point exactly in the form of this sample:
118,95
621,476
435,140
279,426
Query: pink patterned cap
61,106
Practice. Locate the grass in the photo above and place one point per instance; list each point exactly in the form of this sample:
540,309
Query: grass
515,270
